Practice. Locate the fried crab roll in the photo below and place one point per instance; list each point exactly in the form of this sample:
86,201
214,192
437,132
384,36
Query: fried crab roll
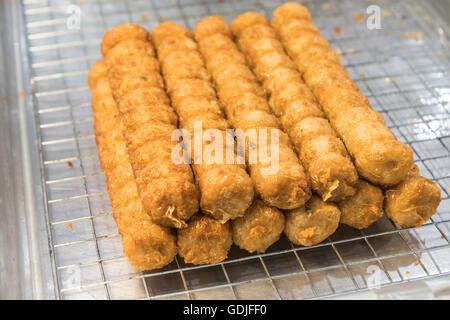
413,201
259,228
363,208
247,109
329,167
167,189
226,188
313,223
378,155
146,244
205,240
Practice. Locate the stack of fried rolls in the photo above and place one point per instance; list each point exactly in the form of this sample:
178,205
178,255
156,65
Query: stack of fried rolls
410,200
226,189
324,155
378,155
146,244
282,77
167,189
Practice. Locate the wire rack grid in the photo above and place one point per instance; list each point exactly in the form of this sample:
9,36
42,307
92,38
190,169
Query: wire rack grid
402,68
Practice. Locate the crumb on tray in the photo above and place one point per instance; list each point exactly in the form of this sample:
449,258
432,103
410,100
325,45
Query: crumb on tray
359,17
338,30
70,164
69,225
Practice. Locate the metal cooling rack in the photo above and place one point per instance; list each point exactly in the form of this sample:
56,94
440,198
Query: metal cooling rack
406,78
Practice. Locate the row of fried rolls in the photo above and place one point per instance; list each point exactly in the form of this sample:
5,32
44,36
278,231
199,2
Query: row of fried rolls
332,173
167,189
410,199
246,108
328,165
378,155
146,244
226,189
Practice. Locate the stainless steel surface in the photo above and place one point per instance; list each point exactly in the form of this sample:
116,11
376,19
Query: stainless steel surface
406,78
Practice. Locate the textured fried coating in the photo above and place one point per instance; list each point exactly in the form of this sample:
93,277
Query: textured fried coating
246,108
379,157
413,201
167,188
205,240
122,32
329,167
146,245
259,228
226,189
313,223
364,207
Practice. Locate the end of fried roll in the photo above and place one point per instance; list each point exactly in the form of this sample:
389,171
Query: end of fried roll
233,192
209,26
384,162
313,223
363,208
259,228
246,20
149,246
204,241
412,202
167,29
120,33
290,11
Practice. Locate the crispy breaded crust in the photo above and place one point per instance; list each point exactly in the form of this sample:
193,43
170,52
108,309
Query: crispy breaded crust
259,228
146,245
412,202
313,223
378,155
205,240
328,165
364,208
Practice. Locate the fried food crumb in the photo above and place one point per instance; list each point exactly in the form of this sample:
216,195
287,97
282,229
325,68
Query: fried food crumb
350,52
326,6
70,164
338,30
418,35
144,17
359,17
424,241
416,263
21,95
407,272
407,35
69,225
386,13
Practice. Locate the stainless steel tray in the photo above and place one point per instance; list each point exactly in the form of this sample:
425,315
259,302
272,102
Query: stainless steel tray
60,240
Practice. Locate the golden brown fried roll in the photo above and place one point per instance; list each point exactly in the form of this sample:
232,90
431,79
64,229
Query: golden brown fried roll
413,201
259,228
378,155
226,189
122,32
238,90
364,207
146,245
329,167
313,223
167,189
204,241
